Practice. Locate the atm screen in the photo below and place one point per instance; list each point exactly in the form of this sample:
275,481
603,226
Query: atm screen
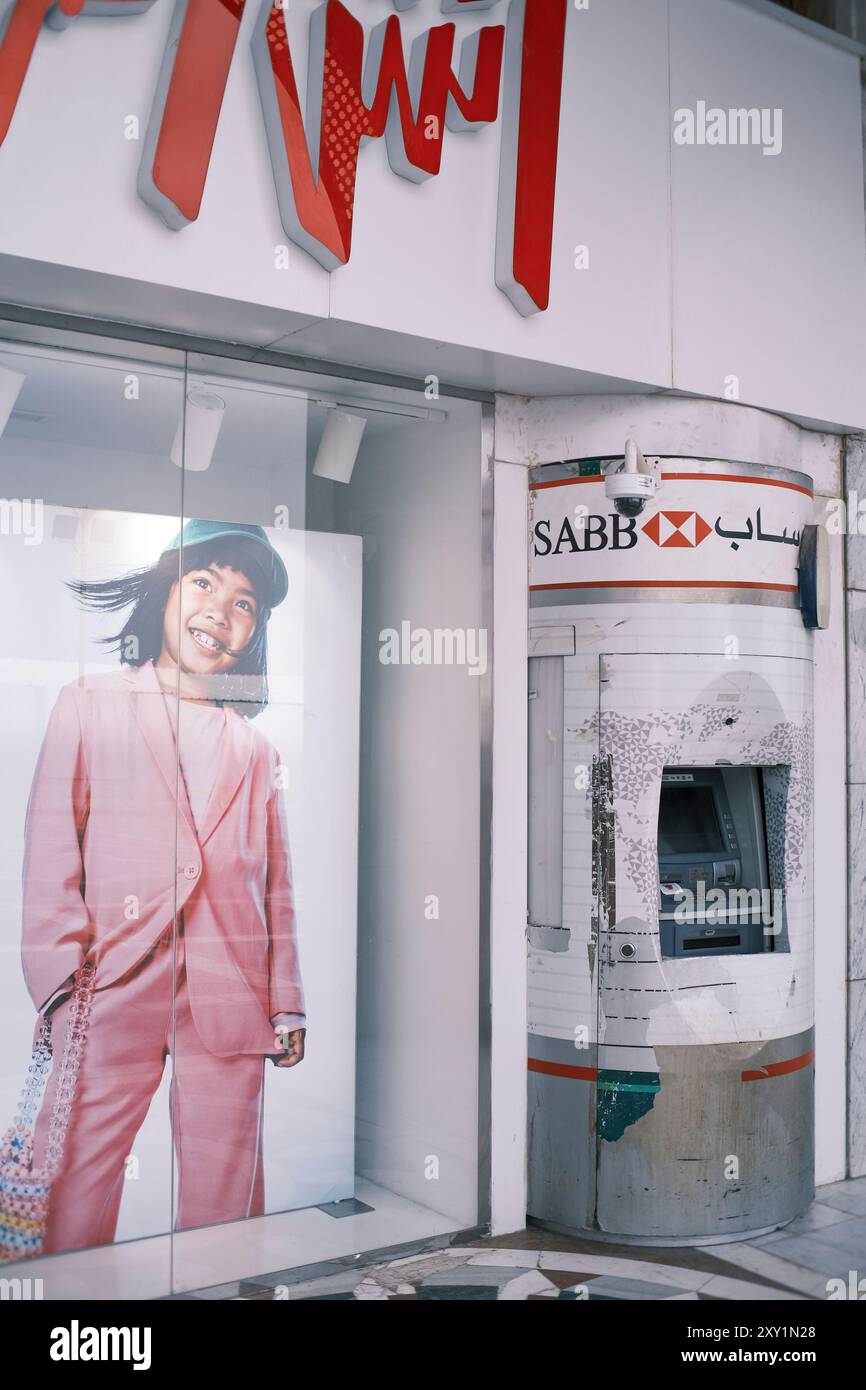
688,823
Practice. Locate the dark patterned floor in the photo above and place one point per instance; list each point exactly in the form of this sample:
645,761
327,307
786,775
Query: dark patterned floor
799,1261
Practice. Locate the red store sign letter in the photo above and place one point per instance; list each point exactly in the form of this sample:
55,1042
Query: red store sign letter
20,28
315,167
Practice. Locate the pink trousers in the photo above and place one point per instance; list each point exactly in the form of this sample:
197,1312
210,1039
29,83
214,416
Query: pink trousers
216,1109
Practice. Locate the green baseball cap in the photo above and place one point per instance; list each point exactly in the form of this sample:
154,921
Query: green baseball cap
196,532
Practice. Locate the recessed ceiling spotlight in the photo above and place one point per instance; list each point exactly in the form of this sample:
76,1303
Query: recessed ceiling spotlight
339,445
198,430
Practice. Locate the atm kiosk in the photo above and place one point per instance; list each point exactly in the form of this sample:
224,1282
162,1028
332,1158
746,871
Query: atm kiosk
670,850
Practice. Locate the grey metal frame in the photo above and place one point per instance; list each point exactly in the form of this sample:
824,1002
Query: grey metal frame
141,334
676,463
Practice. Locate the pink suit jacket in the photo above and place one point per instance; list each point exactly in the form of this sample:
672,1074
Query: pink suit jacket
112,856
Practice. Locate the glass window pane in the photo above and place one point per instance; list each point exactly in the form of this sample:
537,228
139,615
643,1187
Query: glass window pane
333,811
257,807
89,493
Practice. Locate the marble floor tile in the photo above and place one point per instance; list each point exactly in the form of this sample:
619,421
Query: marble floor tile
848,1185
852,1200
815,1219
525,1259
457,1293
770,1265
330,1283
640,1290
368,1291
475,1274
519,1288
848,1237
738,1291
811,1253
624,1268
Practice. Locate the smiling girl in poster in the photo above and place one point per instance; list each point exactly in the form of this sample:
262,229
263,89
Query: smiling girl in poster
156,849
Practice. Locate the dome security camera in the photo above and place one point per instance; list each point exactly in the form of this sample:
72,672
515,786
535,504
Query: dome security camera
632,484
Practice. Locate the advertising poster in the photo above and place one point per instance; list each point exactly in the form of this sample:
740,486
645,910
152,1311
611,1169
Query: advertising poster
180,746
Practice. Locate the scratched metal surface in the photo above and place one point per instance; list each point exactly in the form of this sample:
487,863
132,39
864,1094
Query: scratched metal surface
684,1146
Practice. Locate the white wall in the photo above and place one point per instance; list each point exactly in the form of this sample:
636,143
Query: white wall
415,498
704,262
768,249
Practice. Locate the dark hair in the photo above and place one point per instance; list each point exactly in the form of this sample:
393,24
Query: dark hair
146,591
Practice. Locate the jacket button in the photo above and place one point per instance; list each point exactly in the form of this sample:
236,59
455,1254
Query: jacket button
191,870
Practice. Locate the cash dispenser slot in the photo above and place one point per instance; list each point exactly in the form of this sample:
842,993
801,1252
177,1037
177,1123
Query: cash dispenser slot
712,859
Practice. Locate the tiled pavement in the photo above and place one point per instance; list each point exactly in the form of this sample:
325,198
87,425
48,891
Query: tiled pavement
795,1263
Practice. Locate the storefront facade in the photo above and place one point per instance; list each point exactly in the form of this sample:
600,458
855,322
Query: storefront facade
365,354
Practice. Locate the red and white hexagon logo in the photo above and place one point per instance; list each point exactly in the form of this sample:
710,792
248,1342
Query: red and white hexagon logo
684,529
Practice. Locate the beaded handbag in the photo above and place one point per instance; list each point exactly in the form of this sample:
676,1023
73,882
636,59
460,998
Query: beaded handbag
25,1191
